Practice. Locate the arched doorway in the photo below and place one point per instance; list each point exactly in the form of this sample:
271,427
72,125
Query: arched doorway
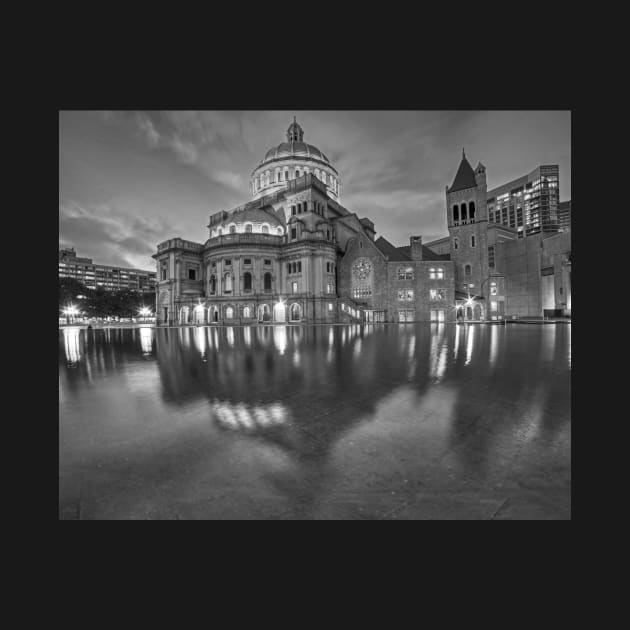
264,313
478,312
469,313
295,313
199,314
215,314
183,315
279,312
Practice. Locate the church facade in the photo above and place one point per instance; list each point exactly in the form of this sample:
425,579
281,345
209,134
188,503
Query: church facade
295,254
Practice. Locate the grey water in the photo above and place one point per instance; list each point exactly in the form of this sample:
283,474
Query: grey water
383,421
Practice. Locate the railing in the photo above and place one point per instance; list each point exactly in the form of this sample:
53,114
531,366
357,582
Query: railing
244,238
180,243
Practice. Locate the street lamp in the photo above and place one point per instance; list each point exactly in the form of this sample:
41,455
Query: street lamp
70,312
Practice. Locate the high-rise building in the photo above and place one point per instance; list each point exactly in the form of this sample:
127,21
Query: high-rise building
107,276
564,215
529,204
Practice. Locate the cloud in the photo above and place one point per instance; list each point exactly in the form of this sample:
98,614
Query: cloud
109,236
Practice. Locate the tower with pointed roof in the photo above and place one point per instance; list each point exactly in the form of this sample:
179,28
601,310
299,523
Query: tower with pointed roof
467,226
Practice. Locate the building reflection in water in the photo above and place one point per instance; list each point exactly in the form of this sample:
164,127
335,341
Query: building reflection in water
301,390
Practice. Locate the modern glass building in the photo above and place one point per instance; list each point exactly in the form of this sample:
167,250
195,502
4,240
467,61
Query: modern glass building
564,215
528,204
109,277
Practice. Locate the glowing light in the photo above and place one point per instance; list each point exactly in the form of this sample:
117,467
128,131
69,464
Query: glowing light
144,311
200,341
230,336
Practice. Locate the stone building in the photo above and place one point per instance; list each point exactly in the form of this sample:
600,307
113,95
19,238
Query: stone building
295,254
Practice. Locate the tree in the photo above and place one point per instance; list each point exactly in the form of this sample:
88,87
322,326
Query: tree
70,290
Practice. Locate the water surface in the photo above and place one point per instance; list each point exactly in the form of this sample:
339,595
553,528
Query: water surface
413,421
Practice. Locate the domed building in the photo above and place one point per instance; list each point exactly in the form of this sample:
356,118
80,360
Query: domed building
290,160
294,254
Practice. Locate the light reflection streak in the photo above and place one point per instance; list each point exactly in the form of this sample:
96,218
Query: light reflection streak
280,338
439,352
456,348
229,331
494,344
357,349
146,340
247,336
200,341
569,327
72,342
469,343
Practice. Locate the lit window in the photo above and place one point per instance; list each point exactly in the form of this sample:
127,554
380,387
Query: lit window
330,306
294,287
494,305
405,273
229,312
493,288
405,295
247,312
437,294
329,288
248,228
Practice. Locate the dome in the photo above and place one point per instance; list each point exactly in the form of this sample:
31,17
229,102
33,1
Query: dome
292,159
291,149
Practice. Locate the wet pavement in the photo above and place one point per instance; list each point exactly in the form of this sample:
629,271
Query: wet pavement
385,421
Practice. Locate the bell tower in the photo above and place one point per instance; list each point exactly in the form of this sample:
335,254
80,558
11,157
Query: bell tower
467,219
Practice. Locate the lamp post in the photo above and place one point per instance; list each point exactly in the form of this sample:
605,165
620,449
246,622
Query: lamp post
144,311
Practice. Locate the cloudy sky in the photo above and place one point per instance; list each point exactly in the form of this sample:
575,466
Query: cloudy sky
128,180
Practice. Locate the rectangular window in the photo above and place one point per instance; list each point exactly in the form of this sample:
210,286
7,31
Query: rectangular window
294,287
405,295
192,274
329,288
247,262
405,273
491,256
493,288
438,315
293,233
227,262
164,274
330,306
299,266
437,294
406,315
267,262
494,306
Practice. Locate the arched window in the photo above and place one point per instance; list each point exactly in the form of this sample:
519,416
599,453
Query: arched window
232,229
248,227
467,270
247,312
471,210
297,173
229,312
213,284
455,243
227,283
280,231
456,213
295,312
267,282
247,281
265,229
464,214
472,240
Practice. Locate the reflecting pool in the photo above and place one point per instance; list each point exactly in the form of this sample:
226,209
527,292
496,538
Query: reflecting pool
383,421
